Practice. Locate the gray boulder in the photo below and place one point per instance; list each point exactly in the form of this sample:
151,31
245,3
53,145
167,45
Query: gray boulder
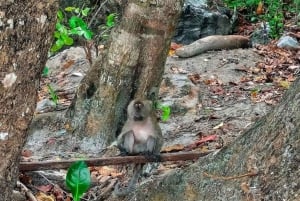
199,20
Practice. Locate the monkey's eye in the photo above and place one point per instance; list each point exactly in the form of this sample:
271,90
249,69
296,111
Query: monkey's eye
138,105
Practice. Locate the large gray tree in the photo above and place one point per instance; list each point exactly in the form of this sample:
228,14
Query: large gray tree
131,66
26,29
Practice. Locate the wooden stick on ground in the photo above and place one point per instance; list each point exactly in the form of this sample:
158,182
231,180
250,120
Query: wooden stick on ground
64,164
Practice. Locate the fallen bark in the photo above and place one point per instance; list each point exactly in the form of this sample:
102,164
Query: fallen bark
64,164
216,42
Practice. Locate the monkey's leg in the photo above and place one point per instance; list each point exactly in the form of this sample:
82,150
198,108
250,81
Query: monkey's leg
151,151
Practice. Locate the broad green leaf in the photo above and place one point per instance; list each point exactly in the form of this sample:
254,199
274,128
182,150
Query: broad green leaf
110,20
166,111
78,179
61,28
60,15
59,42
75,21
67,40
77,10
88,34
70,8
54,48
58,26
85,11
75,31
78,31
56,34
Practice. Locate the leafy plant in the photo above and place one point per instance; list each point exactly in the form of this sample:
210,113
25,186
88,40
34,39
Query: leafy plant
52,94
166,111
78,179
45,72
65,28
110,23
273,12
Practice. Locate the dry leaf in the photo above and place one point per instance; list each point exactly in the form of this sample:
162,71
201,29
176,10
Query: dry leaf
260,8
175,147
285,84
43,197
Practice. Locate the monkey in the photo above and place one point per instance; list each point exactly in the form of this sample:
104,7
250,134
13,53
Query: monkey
140,134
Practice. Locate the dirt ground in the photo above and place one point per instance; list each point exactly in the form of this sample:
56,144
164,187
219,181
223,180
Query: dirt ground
214,97
204,93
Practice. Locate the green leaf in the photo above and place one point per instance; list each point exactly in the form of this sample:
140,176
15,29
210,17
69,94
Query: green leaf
110,20
60,15
54,48
78,179
85,11
59,42
166,111
52,94
88,34
67,40
75,21
56,34
70,8
77,10
61,28
75,31
45,72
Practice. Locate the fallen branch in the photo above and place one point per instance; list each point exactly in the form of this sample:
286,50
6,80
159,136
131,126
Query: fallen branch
215,42
64,164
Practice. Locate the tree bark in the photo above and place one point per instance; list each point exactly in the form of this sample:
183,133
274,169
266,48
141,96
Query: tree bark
26,29
132,66
262,164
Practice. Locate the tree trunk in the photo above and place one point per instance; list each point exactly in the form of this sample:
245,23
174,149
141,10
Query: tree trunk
26,29
132,66
262,164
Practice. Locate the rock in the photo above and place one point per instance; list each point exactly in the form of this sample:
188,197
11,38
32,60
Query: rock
261,35
45,105
288,42
198,21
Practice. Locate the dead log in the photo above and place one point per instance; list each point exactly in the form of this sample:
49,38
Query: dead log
216,42
64,164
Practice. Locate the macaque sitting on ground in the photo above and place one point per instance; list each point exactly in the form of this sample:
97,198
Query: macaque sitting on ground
141,134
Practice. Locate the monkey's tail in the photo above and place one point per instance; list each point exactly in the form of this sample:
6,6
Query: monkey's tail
131,186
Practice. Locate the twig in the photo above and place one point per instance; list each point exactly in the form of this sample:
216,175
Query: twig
64,164
96,13
27,191
249,174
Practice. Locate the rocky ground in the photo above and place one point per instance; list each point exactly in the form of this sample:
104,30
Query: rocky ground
214,96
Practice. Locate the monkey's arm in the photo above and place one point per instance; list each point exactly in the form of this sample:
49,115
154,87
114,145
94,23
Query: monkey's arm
125,142
131,185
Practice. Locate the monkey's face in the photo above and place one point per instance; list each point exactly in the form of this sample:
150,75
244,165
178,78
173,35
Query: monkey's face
139,110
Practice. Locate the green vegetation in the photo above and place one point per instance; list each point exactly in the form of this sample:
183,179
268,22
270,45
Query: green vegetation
66,28
45,72
272,12
78,179
52,94
166,111
105,28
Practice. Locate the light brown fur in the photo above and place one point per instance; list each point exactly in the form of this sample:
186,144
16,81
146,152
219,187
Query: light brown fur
141,134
